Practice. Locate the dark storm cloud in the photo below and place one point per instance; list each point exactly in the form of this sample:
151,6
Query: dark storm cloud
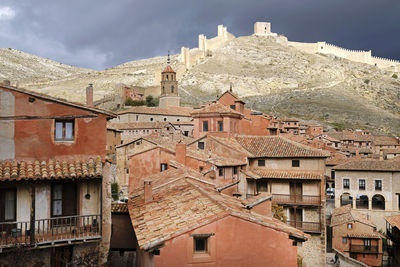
100,34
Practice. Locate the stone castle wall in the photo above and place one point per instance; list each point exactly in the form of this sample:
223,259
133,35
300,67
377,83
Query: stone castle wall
353,55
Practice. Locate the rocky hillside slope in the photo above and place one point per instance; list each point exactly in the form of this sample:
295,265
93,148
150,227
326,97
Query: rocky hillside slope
271,77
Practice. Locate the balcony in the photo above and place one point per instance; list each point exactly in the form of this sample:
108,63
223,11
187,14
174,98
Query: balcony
310,227
363,249
50,231
296,199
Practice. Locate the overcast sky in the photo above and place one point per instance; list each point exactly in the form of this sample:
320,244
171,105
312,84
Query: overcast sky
100,34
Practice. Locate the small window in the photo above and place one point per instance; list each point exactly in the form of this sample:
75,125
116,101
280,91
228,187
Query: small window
200,145
151,119
8,201
344,240
261,163
172,89
295,163
186,133
201,168
205,126
163,167
200,244
346,183
127,170
378,185
367,242
233,106
361,184
137,117
235,170
349,226
165,119
64,130
332,174
220,126
220,172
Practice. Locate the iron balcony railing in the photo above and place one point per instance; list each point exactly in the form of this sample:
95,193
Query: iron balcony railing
313,227
363,249
50,231
296,199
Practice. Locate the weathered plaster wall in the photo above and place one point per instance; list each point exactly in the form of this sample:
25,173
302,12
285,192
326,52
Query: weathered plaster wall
7,147
314,164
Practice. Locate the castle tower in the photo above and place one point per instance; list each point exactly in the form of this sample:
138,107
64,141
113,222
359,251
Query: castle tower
169,96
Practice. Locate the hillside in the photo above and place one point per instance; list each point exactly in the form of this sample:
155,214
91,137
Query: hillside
271,77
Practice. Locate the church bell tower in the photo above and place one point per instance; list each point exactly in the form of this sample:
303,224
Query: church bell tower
169,96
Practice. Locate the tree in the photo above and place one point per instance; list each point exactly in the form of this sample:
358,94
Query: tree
278,212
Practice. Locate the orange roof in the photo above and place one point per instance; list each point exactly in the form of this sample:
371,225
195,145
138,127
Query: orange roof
365,235
139,125
278,147
172,111
168,69
51,169
182,206
215,108
287,174
346,214
336,158
394,221
380,140
369,165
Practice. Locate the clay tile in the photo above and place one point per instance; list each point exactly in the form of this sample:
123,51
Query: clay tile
29,170
91,167
36,170
52,173
85,169
78,168
14,170
72,172
45,173
58,170
1,170
65,172
7,170
22,170
98,167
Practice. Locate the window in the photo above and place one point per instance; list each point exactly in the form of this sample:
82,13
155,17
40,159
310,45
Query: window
295,163
233,106
64,130
137,117
367,243
361,184
220,172
163,166
63,199
262,185
205,126
172,89
186,133
201,168
200,244
235,170
220,126
346,183
151,119
165,119
8,201
378,185
200,145
332,174
261,163
349,226
344,240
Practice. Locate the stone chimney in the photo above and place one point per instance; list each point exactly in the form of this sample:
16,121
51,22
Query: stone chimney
180,153
89,95
148,191
239,106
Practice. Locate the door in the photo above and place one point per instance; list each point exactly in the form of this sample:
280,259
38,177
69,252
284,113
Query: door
296,217
61,256
296,191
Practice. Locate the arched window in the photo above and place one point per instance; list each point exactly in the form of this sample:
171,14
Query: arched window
346,199
167,77
172,89
163,90
362,202
378,202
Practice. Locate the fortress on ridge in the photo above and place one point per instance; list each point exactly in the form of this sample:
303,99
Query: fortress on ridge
190,57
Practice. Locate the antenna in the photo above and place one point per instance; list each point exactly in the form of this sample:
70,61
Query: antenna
168,60
230,89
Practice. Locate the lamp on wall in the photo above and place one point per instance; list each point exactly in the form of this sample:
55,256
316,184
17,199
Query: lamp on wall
87,196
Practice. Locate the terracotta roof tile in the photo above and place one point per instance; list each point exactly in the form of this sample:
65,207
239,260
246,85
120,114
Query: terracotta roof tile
372,235
51,169
394,221
172,111
287,174
139,125
278,147
181,206
215,108
346,214
336,158
168,68
380,140
369,165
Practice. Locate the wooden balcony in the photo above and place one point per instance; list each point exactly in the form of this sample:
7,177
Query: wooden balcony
309,227
363,249
50,231
296,199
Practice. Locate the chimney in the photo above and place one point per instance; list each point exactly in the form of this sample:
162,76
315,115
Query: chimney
89,95
180,153
148,191
239,106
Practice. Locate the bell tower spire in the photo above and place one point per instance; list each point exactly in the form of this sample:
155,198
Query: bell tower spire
169,86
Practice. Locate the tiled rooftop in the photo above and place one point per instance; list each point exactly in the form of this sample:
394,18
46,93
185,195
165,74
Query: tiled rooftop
168,69
346,214
394,221
369,165
336,158
173,111
51,169
182,205
365,235
380,140
278,147
287,174
138,125
215,108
